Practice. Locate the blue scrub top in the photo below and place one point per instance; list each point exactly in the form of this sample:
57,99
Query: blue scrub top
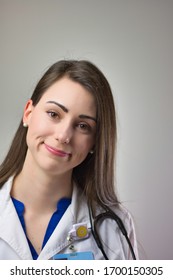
62,206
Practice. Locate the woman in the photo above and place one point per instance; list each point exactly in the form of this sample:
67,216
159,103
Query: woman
59,172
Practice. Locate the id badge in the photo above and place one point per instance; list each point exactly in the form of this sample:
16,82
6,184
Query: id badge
74,256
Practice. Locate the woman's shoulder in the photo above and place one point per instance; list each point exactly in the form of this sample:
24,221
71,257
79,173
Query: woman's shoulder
125,215
6,186
120,213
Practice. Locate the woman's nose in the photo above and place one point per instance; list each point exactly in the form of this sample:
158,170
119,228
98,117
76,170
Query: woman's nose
63,133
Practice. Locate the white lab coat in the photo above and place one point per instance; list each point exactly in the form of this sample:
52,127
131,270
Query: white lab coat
14,245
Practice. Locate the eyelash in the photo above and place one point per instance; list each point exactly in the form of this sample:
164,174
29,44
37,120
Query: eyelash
84,127
52,114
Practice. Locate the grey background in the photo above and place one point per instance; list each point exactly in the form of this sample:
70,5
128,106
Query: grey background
132,42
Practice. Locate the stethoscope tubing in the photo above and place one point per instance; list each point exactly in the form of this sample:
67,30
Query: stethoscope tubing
108,214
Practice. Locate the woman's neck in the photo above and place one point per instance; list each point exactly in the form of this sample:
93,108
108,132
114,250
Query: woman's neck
40,191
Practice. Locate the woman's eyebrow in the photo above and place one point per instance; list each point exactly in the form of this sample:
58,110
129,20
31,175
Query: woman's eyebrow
88,117
59,105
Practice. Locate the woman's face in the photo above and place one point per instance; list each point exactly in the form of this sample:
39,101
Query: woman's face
61,127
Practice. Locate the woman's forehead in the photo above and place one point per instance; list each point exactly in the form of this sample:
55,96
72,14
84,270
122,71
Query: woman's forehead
69,94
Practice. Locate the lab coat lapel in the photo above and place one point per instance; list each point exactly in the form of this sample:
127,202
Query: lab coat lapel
77,212
11,230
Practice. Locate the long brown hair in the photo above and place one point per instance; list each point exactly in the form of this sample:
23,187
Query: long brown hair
95,175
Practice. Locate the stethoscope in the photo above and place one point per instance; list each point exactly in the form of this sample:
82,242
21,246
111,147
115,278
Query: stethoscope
108,214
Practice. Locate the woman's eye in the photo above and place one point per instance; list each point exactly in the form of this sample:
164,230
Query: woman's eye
84,127
52,114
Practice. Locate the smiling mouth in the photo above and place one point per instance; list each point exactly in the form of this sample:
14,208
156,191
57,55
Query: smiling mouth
57,152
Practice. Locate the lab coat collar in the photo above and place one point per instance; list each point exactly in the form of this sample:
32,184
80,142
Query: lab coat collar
12,234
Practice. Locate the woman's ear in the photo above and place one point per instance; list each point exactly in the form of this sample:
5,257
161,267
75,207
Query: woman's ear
27,112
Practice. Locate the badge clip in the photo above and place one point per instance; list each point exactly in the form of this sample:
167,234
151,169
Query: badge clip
79,231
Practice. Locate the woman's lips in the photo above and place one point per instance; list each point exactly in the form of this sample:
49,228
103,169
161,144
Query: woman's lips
57,152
